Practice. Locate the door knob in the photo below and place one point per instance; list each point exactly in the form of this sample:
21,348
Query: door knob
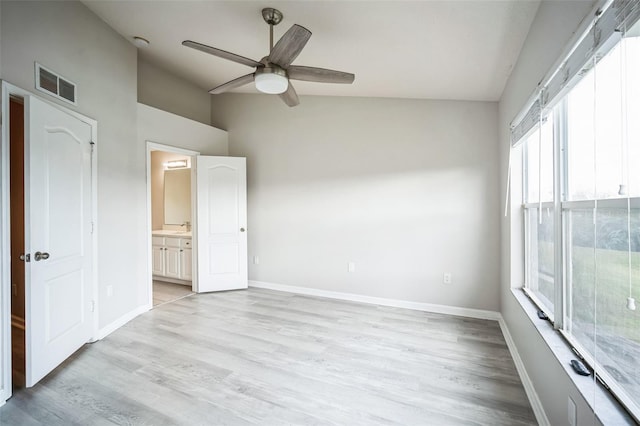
241,229
40,256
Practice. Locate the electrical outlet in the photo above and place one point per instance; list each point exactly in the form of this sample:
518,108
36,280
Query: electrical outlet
351,267
256,260
109,290
446,278
572,414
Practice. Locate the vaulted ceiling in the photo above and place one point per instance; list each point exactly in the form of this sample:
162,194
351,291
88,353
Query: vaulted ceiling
459,50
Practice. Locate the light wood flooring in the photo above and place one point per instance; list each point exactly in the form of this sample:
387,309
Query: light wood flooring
164,292
272,358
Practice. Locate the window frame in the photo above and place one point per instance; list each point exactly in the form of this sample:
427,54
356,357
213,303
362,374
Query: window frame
553,205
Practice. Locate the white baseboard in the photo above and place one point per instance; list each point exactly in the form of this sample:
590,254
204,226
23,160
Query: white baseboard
418,306
105,331
534,400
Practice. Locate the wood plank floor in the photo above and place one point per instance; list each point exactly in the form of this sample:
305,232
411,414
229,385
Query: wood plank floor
273,358
164,292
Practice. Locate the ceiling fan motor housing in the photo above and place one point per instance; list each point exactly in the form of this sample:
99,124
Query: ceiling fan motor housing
271,79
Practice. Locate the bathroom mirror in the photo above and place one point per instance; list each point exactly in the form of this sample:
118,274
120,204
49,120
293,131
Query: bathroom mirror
177,196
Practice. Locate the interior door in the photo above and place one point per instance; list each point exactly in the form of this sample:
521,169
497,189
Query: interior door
221,222
59,317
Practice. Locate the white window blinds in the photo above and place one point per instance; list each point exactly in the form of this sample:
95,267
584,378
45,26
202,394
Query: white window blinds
608,25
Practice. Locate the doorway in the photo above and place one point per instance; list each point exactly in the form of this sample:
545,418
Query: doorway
213,257
170,188
16,212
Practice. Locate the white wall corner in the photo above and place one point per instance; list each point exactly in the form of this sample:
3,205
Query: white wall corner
417,306
534,400
108,329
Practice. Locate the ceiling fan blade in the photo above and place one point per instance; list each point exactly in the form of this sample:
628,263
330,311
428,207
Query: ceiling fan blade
229,85
319,75
289,46
290,97
222,53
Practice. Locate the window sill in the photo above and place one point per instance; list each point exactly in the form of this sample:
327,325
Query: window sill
606,408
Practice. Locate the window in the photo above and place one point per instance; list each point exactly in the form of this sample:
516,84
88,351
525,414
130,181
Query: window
539,215
602,219
581,207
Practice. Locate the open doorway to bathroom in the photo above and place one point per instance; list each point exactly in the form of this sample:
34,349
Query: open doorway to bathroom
170,188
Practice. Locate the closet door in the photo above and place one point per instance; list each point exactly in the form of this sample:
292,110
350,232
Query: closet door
221,223
59,307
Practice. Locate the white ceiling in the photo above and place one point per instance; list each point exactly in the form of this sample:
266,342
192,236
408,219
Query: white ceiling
462,50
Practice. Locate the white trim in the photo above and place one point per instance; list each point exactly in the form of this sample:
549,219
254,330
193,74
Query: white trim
96,229
5,250
534,400
154,146
105,331
416,306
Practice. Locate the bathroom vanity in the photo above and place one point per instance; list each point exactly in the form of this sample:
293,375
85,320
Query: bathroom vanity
172,256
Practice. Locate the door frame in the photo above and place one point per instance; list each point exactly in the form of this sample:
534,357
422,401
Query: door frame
9,90
155,146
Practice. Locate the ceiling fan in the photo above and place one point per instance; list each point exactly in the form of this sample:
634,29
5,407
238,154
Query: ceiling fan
274,71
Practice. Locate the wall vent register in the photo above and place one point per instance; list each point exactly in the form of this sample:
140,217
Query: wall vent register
55,85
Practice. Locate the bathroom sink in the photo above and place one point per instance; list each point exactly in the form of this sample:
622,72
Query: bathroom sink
166,232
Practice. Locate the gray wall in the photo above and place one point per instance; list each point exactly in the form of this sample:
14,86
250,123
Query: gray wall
163,90
550,33
0,40
406,189
66,37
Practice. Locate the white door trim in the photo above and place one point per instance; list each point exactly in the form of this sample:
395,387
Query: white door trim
9,90
154,146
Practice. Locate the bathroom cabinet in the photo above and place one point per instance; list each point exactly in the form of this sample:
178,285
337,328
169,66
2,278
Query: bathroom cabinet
172,257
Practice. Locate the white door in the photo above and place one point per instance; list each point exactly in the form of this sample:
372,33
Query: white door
221,222
59,317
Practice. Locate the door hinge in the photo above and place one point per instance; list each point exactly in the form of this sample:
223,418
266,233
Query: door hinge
93,145
92,226
93,306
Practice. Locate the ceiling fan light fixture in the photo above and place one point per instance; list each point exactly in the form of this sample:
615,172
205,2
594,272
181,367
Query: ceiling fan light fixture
271,80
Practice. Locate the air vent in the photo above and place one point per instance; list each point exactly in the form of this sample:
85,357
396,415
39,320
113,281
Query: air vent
55,85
